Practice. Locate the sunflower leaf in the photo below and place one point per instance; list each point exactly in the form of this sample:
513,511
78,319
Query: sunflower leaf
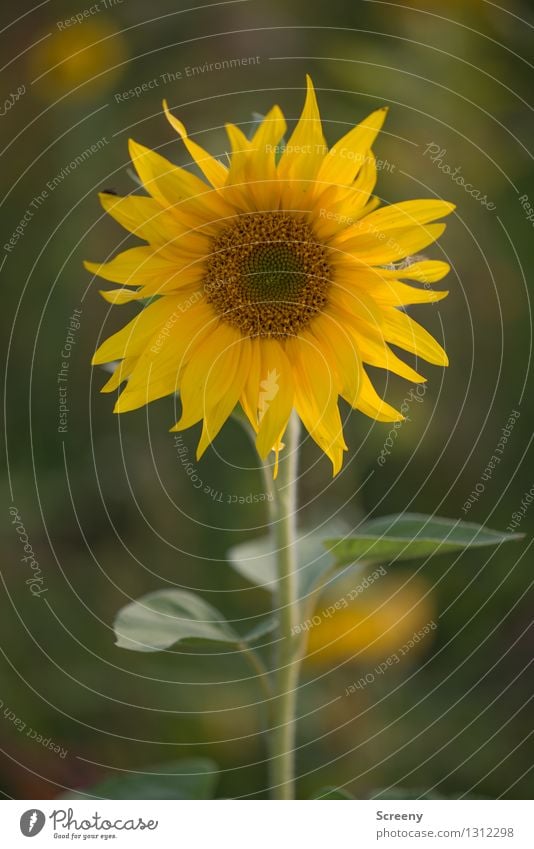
160,619
255,559
411,535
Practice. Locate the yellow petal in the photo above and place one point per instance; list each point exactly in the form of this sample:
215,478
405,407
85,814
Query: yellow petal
339,347
316,396
121,373
240,151
225,381
189,197
402,330
134,267
306,147
375,352
196,374
347,205
165,355
395,294
401,216
426,271
187,282
355,301
213,170
376,249
250,395
274,395
370,403
371,344
260,168
133,337
384,289
266,139
147,219
348,155
118,297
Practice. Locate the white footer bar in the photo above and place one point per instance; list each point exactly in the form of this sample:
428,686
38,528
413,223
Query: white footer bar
262,825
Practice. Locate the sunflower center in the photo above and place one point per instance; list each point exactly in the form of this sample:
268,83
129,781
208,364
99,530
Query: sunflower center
267,275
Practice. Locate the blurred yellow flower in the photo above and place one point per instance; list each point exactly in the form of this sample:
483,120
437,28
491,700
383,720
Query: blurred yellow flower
377,624
277,280
89,56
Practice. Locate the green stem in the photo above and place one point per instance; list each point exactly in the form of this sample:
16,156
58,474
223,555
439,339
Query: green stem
257,666
283,714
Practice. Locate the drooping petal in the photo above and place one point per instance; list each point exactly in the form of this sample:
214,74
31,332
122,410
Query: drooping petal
339,347
250,395
275,394
316,397
213,348
225,382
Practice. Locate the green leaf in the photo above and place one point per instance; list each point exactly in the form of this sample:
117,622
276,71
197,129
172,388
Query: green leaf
193,778
332,793
409,535
256,559
160,619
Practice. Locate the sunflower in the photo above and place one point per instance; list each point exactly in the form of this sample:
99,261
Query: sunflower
272,283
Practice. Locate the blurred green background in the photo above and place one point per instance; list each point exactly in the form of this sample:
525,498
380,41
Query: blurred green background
108,508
